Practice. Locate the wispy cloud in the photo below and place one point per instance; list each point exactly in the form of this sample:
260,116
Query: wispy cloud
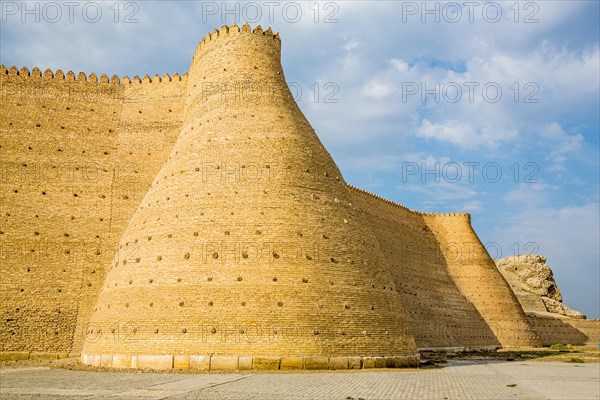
561,145
464,134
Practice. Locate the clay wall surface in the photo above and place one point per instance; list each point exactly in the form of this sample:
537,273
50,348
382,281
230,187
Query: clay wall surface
247,242
476,276
439,314
590,328
556,329
73,173
418,245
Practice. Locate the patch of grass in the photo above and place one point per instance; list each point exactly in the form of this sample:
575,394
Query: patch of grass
559,347
512,385
575,360
557,352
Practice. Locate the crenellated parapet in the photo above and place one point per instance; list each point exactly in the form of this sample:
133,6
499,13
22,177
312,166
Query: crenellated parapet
451,216
463,215
390,202
71,76
155,79
237,68
234,29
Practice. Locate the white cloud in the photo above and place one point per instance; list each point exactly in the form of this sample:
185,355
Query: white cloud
464,134
424,175
441,192
561,144
372,163
529,194
473,207
377,90
400,65
350,45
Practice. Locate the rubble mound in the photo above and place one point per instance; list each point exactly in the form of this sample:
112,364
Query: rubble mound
533,283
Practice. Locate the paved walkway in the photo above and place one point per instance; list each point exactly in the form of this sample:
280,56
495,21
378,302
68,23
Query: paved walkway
458,380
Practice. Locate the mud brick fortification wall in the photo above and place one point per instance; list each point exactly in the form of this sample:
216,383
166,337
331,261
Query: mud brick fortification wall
77,156
476,276
553,329
439,315
202,224
449,285
280,265
590,329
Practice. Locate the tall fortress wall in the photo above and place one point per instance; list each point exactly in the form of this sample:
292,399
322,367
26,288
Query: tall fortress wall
453,293
198,221
78,154
224,261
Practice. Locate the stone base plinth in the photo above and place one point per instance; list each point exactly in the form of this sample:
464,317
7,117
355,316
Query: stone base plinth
234,363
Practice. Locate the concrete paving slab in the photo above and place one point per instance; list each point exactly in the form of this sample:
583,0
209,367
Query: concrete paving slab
457,380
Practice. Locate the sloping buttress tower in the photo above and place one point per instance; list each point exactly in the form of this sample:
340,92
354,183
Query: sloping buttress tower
247,251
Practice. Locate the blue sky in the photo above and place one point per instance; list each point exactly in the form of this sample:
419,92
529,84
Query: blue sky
486,107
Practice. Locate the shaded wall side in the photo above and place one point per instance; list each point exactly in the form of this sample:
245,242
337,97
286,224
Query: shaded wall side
477,277
554,329
438,313
590,328
66,190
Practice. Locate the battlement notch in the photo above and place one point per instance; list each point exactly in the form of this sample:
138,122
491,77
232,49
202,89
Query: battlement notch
48,74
